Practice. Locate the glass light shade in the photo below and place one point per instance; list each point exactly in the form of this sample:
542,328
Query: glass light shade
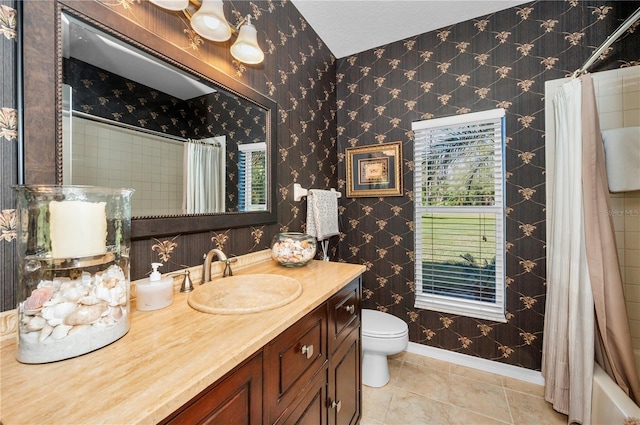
171,4
246,48
209,21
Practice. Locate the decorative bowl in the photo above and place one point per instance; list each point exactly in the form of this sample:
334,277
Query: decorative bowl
293,249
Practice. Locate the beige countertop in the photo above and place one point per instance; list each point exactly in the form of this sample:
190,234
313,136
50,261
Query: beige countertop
167,357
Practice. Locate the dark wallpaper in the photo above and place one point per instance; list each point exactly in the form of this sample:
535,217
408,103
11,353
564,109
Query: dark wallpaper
499,60
298,73
325,106
9,152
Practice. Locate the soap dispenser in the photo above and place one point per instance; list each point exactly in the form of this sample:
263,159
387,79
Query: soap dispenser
155,292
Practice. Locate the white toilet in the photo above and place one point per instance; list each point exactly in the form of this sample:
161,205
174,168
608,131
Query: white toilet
382,335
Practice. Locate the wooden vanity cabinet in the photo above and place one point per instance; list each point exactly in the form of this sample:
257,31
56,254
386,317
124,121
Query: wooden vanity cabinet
345,372
327,392
311,406
234,399
309,374
292,361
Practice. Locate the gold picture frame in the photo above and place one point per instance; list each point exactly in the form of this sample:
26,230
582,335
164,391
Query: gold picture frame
375,170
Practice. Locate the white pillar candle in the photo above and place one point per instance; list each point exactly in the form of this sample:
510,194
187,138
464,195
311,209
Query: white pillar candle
77,228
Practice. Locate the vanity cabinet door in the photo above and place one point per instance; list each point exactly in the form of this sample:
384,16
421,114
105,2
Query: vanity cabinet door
344,313
235,399
311,408
292,361
344,394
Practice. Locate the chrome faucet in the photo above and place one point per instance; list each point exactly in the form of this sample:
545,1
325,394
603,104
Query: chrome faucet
208,258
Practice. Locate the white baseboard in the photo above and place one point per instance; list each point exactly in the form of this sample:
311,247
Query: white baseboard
503,369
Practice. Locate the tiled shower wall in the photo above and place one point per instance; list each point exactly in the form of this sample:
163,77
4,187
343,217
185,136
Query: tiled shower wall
618,100
105,155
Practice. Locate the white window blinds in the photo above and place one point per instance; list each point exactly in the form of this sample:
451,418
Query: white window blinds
252,181
459,214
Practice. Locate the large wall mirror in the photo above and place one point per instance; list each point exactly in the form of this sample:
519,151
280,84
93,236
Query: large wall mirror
135,111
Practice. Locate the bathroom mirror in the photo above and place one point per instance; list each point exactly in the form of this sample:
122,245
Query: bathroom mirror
131,107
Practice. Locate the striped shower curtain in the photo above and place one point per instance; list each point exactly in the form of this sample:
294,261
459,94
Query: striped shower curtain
204,176
585,314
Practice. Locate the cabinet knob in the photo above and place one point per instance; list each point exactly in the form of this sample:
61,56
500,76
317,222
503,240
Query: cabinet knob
336,405
307,350
350,309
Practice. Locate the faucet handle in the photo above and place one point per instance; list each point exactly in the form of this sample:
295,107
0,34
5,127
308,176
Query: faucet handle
227,267
187,285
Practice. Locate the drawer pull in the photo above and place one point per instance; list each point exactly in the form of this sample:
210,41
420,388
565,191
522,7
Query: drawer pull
307,350
350,309
336,405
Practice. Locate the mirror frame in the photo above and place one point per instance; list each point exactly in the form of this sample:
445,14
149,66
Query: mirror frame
43,53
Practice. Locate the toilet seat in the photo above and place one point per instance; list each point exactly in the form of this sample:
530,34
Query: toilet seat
377,324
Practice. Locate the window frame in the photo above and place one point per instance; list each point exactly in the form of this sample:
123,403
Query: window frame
494,311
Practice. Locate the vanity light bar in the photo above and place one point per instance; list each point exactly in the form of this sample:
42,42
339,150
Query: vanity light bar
209,22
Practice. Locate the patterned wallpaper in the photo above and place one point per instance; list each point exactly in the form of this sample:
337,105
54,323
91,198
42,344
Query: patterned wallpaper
372,97
298,73
499,60
8,152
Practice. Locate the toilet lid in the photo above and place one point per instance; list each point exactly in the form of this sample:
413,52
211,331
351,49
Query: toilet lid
379,324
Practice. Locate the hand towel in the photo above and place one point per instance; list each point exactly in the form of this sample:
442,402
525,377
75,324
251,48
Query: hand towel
622,157
322,213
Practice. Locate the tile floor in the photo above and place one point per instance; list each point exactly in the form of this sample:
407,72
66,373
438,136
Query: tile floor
428,391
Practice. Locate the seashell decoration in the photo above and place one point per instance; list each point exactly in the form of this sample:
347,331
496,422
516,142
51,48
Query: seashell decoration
37,298
61,314
85,314
45,332
35,323
60,331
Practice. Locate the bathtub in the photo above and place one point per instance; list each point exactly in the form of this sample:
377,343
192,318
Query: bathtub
609,404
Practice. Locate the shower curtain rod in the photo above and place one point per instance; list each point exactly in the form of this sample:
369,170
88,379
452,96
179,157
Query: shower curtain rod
127,126
205,142
608,42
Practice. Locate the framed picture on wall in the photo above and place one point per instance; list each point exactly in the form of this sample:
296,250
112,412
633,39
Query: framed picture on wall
374,171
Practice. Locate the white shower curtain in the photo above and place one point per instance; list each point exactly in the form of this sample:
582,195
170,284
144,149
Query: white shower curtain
585,317
204,176
568,347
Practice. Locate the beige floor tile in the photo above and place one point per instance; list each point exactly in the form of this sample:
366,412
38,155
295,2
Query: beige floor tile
424,361
375,402
368,421
433,392
430,383
475,374
459,416
409,408
480,397
528,409
523,386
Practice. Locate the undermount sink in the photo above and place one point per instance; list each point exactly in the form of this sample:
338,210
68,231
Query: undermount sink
242,294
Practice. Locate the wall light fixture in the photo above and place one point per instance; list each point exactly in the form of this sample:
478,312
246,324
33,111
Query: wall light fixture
209,22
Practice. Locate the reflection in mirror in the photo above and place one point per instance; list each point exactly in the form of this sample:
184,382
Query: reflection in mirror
131,120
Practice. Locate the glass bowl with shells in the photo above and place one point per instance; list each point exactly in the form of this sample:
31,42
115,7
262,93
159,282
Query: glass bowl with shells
293,249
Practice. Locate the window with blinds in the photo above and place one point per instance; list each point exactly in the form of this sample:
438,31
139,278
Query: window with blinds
252,177
459,214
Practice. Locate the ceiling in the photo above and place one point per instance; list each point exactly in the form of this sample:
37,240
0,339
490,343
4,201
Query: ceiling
353,26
